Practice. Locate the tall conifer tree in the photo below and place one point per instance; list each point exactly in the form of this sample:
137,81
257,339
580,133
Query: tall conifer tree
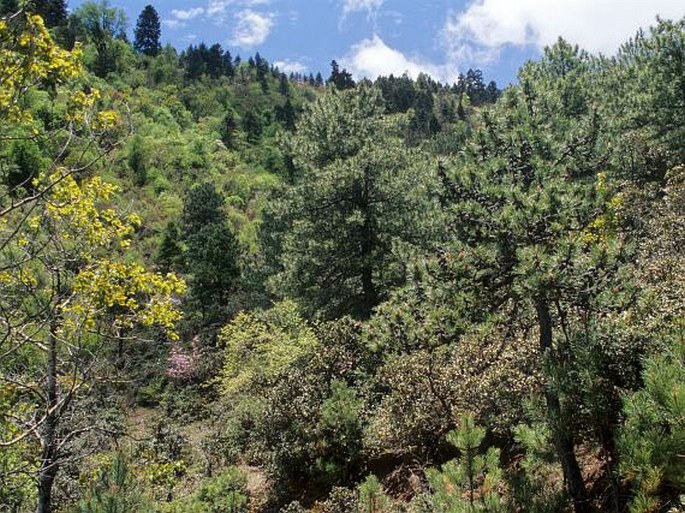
148,32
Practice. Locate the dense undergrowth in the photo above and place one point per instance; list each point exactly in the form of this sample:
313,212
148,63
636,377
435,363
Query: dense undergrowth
380,296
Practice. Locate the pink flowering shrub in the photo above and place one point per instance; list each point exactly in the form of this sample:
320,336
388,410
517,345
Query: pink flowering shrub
182,364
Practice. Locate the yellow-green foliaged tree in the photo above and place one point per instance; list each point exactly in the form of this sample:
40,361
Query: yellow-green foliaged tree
66,288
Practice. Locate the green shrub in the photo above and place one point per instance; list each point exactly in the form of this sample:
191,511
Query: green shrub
114,490
537,482
372,498
652,441
471,483
225,493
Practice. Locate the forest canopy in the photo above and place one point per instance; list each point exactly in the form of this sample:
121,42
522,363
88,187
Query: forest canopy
226,288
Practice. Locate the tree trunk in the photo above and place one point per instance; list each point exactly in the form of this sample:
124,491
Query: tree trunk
562,437
45,481
48,432
369,293
608,444
370,297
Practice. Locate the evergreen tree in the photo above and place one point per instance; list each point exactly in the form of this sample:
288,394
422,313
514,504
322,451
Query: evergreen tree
147,32
424,123
215,61
398,92
491,92
212,250
202,205
228,130
138,159
54,12
115,489
475,88
653,438
358,193
252,125
286,115
340,79
170,253
212,257
193,62
228,68
262,67
371,496
531,212
478,474
283,85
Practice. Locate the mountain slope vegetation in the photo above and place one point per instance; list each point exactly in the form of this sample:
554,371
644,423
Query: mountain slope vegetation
228,289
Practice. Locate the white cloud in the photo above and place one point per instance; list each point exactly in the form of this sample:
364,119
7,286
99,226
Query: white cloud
218,7
187,14
173,24
395,17
370,6
288,66
372,58
252,29
486,26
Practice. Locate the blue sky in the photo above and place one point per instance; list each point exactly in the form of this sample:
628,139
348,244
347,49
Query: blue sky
372,37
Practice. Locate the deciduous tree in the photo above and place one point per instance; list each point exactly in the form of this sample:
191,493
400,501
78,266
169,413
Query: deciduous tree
65,288
105,28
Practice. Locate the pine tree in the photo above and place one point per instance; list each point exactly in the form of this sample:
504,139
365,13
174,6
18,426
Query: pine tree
359,192
262,67
652,440
170,253
115,488
228,129
212,258
193,62
531,211
286,115
202,206
252,125
215,61
372,498
340,79
283,85
147,33
479,475
212,252
228,69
